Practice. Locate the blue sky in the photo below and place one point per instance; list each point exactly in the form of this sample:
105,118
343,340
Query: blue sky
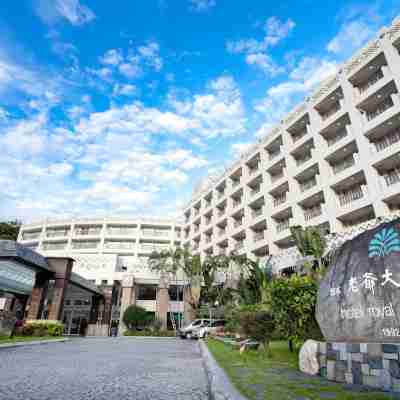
123,107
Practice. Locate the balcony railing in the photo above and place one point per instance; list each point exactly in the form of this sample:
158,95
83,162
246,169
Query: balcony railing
87,231
339,136
280,200
377,76
392,177
335,108
221,194
258,236
31,235
117,231
54,246
221,232
221,212
257,212
196,211
274,154
255,190
57,233
208,239
277,176
254,169
208,221
154,247
222,251
196,228
236,203
155,232
310,183
302,160
297,136
235,182
313,212
237,223
387,141
283,225
119,245
382,107
239,245
344,164
351,195
85,245
207,204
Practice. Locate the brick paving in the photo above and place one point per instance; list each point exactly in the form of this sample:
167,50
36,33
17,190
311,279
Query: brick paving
104,368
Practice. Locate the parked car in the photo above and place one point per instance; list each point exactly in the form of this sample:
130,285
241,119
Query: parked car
187,331
212,328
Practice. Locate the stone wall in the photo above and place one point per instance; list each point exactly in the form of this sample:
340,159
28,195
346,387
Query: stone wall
370,364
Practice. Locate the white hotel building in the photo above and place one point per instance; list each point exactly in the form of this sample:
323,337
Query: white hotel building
104,249
333,162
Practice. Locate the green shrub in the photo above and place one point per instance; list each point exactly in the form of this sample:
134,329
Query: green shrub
136,317
43,328
148,332
258,325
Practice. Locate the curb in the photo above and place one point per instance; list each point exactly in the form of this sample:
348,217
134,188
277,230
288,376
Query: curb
32,343
221,388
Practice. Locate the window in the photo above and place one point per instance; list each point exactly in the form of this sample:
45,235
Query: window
104,281
175,293
147,292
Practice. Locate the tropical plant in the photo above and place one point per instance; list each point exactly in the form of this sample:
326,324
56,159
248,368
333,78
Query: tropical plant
384,242
292,302
310,241
136,317
258,325
9,230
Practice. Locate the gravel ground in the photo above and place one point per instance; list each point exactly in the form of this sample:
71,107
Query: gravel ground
104,368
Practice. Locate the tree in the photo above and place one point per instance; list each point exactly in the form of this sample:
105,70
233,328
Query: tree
258,325
310,241
292,302
9,230
135,317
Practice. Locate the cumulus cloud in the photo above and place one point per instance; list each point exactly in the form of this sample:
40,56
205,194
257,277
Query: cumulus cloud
76,13
265,63
240,148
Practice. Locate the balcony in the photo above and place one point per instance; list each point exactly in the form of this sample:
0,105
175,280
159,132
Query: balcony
302,160
54,233
332,111
221,194
222,251
155,232
87,245
208,239
307,185
208,221
196,212
278,176
196,228
31,235
255,190
387,141
381,108
344,164
392,177
283,225
258,236
221,232
339,136
221,212
274,154
150,247
298,135
377,76
54,246
235,183
237,223
279,199
119,245
254,169
236,203
312,212
257,212
87,231
351,195
120,230
239,245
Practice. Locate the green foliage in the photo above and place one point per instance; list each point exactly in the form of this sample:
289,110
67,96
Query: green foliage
258,325
9,230
292,302
148,332
136,317
232,315
43,328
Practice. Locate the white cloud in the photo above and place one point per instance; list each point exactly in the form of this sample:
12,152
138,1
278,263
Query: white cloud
202,5
112,57
265,63
124,90
130,70
351,36
240,148
73,11
150,53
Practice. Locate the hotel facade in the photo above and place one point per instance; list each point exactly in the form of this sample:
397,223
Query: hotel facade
113,254
333,162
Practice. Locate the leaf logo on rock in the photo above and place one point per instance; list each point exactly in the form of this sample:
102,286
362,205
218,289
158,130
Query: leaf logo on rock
384,242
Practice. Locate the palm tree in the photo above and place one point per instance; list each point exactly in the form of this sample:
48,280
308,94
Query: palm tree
310,241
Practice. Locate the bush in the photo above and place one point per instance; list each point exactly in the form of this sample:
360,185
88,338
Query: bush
136,317
258,325
148,332
42,328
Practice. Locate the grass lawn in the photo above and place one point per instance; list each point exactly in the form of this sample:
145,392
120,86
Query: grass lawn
277,377
16,339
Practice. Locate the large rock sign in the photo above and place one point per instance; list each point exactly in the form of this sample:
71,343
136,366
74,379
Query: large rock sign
359,298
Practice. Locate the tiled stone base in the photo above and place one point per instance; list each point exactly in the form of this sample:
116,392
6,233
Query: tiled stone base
371,364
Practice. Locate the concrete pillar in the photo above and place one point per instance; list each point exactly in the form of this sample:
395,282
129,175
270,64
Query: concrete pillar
162,303
38,295
128,298
62,267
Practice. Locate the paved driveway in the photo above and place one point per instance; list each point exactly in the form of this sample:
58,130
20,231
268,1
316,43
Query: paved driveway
104,368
